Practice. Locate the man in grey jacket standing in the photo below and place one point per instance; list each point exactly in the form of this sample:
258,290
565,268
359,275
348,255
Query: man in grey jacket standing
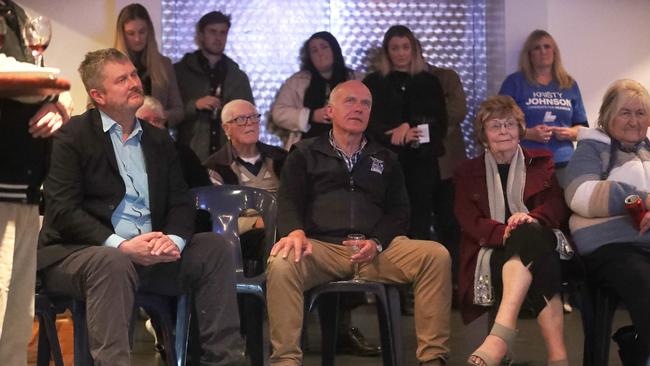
207,80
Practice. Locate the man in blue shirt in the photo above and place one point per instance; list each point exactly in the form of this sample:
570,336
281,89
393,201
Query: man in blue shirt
119,219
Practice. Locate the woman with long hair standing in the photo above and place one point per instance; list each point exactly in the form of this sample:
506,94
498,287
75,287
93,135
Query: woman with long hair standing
299,108
409,115
135,37
549,97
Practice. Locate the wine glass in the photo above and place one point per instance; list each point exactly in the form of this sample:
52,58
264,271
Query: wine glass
37,33
3,31
357,238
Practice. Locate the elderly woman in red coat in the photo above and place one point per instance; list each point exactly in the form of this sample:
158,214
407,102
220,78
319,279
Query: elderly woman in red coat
508,203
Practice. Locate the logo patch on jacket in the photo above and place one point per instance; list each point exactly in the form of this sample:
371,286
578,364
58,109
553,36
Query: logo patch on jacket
377,165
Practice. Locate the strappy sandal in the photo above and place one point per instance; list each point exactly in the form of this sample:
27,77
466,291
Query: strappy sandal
480,358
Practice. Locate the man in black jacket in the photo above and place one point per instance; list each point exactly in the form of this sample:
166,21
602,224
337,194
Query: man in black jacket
119,219
337,185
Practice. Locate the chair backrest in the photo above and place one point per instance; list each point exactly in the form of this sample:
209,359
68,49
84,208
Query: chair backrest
225,205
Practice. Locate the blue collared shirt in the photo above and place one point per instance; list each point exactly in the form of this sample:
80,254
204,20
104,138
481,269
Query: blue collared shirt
132,216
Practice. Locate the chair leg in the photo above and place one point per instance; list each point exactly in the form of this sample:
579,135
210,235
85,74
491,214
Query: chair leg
328,313
43,352
392,294
183,315
48,342
255,310
388,345
605,307
163,321
587,314
82,355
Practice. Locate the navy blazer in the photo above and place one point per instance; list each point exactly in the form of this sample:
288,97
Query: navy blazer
84,186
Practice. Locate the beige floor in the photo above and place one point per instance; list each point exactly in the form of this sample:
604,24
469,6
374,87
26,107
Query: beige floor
529,347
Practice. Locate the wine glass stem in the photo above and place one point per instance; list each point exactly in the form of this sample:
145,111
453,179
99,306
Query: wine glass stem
356,271
38,60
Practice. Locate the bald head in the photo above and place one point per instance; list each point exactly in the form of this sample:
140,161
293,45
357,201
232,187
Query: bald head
236,108
349,107
346,85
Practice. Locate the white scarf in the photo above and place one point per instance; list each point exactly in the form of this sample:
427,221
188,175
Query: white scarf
483,293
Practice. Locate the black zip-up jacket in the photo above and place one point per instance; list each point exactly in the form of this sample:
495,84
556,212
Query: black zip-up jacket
318,195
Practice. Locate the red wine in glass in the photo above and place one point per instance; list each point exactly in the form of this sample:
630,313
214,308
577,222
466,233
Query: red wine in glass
37,33
38,49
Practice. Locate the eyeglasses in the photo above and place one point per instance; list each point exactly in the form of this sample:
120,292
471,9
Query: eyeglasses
253,119
496,124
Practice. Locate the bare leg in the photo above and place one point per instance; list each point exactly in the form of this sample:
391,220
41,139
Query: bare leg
551,322
516,281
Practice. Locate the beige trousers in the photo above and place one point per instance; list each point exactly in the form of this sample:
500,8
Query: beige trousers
425,264
19,226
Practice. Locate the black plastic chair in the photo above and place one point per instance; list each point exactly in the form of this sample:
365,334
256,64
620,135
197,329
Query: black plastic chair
388,312
598,308
48,341
159,307
225,205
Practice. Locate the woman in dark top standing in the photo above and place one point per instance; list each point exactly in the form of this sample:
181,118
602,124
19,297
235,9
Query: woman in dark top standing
407,101
135,37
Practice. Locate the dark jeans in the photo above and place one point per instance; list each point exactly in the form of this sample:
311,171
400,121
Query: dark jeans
624,270
106,279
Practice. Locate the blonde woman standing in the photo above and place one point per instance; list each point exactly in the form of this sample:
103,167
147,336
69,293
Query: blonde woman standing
135,37
549,97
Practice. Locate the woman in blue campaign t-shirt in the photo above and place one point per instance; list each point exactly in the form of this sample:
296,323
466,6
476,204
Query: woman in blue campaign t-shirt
549,97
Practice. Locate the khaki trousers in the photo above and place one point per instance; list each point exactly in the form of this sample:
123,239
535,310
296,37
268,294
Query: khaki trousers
19,226
425,264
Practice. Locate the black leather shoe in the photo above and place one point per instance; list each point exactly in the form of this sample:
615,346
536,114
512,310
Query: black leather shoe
352,342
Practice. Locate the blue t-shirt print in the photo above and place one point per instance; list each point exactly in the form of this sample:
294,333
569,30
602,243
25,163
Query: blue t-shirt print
550,105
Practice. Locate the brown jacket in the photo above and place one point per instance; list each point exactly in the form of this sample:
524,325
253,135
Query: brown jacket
456,111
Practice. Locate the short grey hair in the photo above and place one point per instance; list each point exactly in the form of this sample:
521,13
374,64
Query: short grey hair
91,69
153,104
228,111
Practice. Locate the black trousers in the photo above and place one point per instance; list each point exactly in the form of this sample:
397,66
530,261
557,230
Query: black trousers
624,270
421,176
106,279
535,245
446,226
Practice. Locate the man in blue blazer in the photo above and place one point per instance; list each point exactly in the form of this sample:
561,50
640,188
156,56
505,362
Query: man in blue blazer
119,219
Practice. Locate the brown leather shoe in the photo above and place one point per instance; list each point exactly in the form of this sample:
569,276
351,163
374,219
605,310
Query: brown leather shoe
352,342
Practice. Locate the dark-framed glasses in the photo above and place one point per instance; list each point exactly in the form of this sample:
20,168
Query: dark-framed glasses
243,120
